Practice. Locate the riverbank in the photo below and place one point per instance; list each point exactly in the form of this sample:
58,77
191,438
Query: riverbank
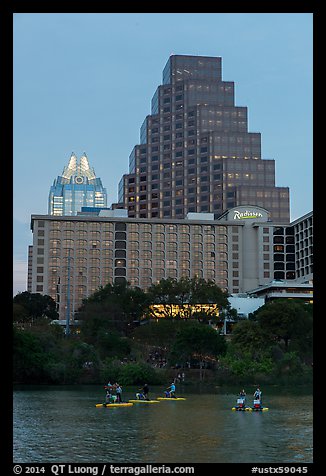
189,378
159,351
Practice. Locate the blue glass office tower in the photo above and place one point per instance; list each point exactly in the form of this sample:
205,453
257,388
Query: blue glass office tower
77,187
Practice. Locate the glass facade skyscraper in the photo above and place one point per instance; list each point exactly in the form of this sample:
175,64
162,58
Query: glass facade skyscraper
196,153
77,187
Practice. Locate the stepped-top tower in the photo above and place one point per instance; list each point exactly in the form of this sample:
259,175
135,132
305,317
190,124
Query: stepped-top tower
195,152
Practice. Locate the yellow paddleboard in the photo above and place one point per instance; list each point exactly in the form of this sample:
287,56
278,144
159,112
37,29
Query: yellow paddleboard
144,401
126,404
170,398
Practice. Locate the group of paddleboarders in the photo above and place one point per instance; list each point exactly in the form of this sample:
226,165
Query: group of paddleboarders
142,394
110,397
257,398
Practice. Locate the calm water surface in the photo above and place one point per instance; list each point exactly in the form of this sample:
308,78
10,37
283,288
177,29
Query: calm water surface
62,425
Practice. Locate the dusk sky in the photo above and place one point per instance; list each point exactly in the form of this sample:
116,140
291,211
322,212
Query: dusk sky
83,82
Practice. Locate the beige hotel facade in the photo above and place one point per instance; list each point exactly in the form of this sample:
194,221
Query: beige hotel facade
72,256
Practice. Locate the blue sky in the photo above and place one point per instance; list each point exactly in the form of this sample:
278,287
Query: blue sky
83,82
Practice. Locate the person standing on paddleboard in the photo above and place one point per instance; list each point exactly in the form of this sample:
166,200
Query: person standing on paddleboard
258,395
118,390
145,391
242,394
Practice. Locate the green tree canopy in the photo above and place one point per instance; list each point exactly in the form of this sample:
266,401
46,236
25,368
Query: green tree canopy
159,332
249,337
197,341
286,321
114,306
33,306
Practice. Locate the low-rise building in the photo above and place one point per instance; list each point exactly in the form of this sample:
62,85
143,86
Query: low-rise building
277,289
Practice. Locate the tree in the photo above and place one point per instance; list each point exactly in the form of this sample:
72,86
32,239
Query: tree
20,313
34,306
28,357
286,321
114,306
250,338
198,341
157,333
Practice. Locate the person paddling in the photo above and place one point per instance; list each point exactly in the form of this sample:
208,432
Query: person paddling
171,389
108,394
258,394
118,391
145,391
242,394
257,398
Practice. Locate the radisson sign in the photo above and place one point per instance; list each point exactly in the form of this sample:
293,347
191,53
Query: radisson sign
242,215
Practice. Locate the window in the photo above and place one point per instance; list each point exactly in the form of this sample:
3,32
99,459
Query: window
120,236
120,263
279,248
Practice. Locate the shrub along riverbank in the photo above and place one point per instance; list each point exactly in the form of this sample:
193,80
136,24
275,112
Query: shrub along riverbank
273,347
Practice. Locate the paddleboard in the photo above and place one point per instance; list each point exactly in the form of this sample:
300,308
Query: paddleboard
170,398
126,404
144,401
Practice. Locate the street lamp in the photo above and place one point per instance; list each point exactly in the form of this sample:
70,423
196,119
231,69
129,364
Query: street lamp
68,297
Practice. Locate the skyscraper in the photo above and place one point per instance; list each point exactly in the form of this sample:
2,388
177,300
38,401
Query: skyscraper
77,187
195,152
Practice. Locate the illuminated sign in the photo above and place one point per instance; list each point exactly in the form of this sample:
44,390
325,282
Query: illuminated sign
246,214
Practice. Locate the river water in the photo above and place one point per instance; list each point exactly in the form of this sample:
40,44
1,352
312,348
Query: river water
55,424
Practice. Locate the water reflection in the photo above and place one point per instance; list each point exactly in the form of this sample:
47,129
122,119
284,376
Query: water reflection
62,425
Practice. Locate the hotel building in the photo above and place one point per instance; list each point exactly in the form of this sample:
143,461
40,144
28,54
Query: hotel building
241,250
